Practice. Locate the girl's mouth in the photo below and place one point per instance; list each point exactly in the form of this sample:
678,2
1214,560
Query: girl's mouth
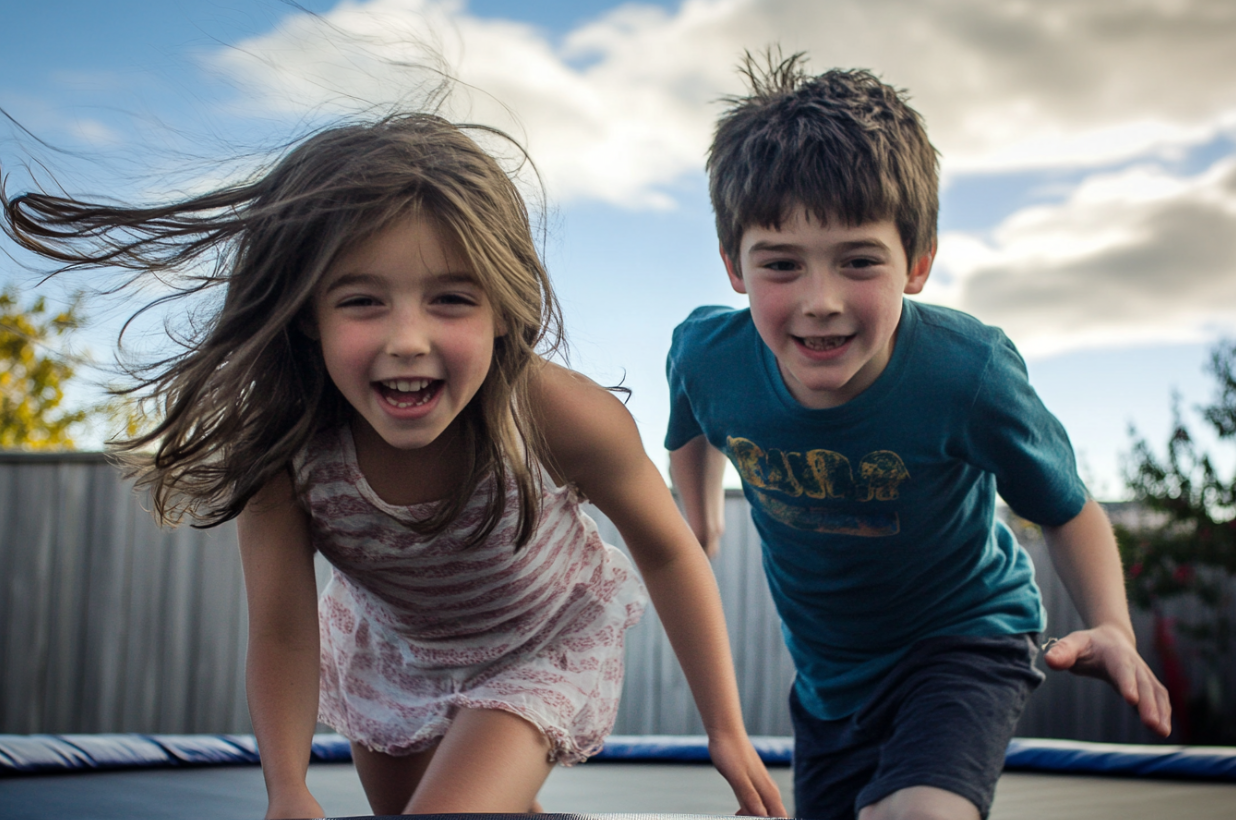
405,393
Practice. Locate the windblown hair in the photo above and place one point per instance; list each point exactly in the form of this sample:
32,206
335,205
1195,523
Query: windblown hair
248,391
843,145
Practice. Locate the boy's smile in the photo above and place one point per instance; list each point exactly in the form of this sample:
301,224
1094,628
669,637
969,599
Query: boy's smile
826,299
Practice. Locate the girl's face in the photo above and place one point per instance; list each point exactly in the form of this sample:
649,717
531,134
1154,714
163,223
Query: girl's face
406,331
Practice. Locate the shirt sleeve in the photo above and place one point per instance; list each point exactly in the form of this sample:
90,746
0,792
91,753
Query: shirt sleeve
683,424
1015,437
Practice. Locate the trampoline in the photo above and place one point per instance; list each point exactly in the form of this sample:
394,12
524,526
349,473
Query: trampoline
152,777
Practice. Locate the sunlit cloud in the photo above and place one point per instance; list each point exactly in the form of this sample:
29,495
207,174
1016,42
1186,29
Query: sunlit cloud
1129,256
621,107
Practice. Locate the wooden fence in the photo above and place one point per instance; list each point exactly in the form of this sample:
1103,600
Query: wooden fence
109,624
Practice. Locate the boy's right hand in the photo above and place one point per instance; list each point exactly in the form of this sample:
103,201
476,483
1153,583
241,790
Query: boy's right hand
739,763
1105,652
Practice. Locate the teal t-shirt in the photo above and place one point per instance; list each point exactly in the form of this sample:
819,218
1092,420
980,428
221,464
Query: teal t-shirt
877,517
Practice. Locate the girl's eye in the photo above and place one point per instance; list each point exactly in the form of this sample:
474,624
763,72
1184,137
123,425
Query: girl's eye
358,301
455,299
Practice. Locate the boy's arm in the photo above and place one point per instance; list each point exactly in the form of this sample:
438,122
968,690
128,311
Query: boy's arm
1085,556
595,444
281,671
698,470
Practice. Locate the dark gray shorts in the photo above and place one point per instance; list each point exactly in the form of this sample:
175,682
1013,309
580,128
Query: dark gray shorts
942,717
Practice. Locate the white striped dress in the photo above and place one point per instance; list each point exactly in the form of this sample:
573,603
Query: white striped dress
415,627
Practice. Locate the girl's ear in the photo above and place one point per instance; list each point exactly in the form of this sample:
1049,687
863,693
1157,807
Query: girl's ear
308,325
500,328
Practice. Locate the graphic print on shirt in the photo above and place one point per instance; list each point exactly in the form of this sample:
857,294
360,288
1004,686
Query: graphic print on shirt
822,474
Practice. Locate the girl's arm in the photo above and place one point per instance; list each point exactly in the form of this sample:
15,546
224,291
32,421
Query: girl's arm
281,673
698,470
594,444
1086,558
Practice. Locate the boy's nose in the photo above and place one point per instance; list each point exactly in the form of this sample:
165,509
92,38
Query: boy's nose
821,298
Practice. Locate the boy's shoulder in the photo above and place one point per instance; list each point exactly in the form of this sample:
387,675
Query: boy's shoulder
711,330
949,340
951,326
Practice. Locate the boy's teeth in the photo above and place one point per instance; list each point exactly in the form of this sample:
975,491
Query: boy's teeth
823,342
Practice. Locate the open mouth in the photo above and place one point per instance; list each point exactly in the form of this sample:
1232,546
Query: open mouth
821,344
404,393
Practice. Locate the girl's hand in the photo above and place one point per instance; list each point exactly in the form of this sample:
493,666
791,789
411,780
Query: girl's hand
300,806
738,762
1108,654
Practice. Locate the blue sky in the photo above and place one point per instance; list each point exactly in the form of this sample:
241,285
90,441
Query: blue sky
1088,153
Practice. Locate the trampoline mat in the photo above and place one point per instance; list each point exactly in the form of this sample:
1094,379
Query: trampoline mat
639,791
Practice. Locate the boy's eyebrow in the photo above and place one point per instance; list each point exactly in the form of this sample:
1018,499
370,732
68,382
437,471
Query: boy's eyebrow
855,244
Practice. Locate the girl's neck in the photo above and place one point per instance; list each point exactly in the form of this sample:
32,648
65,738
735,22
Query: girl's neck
406,477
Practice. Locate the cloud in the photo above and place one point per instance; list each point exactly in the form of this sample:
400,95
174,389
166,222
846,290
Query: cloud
623,106
1128,256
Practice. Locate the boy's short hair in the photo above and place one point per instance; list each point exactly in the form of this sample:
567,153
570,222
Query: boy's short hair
842,144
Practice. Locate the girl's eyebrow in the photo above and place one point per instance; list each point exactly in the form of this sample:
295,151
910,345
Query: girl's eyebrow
360,278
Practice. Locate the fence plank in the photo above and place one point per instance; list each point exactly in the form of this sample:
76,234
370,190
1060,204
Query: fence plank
108,623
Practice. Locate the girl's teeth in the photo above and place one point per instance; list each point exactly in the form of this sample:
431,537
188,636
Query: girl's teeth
407,392
407,385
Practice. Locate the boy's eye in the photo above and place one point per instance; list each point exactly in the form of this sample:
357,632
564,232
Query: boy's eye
863,262
780,265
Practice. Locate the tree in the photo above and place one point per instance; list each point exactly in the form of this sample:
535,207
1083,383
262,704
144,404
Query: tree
1186,548
33,375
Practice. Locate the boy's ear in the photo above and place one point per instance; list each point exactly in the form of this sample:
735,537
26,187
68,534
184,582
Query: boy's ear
735,273
921,269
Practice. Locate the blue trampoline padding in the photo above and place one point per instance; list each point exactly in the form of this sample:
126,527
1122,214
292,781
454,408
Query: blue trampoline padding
774,751
31,754
1187,762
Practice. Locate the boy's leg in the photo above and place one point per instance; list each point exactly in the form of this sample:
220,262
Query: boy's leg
832,764
951,707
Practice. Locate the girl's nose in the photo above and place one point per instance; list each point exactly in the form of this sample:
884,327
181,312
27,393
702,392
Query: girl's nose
408,337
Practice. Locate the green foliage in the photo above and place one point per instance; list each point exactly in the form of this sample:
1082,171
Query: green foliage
1188,548
33,377
1192,546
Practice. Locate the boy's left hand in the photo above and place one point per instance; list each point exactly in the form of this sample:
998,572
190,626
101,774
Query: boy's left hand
740,765
1108,654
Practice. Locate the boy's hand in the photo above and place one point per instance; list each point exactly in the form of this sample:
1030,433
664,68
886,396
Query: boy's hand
1108,654
738,763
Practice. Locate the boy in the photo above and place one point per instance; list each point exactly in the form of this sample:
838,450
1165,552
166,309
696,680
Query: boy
872,434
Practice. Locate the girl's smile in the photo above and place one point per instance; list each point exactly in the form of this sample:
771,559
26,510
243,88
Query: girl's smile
407,332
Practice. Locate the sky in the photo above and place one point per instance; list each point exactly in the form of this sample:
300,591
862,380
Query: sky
1088,150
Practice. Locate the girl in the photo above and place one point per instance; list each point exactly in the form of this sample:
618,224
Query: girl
371,388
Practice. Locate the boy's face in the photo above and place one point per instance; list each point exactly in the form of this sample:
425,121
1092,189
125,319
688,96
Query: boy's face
826,299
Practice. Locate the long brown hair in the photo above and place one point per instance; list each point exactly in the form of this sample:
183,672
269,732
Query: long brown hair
247,392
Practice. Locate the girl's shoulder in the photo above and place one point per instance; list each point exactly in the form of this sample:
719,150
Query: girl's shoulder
584,425
325,459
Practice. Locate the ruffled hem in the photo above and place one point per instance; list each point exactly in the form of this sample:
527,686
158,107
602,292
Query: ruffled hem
563,748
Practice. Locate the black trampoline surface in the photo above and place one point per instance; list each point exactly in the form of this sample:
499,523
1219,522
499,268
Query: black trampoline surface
237,793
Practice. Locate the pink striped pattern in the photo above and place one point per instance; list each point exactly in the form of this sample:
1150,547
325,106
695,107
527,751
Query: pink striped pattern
414,628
